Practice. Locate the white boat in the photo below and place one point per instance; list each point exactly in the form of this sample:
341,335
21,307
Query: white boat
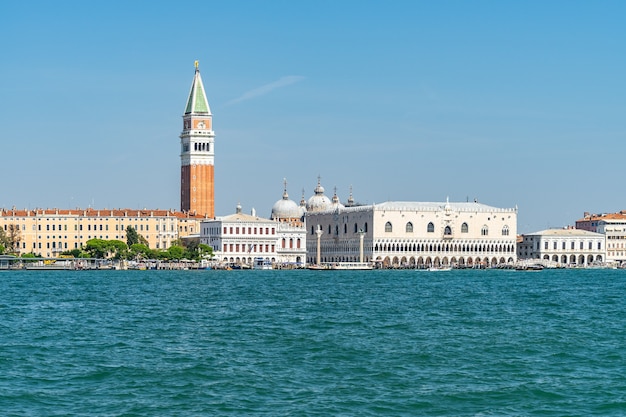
261,263
341,266
437,269
356,266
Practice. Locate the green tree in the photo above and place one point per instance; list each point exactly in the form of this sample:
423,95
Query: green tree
140,251
132,237
205,251
175,252
119,249
15,236
97,248
76,253
4,240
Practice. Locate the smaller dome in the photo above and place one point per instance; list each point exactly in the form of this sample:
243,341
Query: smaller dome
336,204
318,202
286,208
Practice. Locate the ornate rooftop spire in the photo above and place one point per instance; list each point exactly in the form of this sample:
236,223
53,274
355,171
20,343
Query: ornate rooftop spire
319,190
350,198
285,195
302,200
197,101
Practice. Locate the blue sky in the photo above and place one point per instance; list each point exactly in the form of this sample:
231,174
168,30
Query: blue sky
510,103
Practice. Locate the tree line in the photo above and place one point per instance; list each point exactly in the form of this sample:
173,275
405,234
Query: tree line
135,248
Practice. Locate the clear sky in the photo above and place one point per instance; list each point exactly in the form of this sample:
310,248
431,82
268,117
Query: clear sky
510,103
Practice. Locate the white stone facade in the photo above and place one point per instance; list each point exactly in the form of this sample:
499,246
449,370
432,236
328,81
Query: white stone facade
415,234
239,238
565,247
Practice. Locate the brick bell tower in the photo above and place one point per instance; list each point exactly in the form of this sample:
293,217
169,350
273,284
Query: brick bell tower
197,140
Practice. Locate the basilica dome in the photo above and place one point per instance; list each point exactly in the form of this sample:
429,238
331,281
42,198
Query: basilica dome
318,202
286,208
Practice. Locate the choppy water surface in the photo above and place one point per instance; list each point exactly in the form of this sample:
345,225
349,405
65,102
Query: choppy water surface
314,343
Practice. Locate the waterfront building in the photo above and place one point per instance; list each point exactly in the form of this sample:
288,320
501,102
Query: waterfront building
613,227
410,234
197,140
291,229
50,232
565,247
239,238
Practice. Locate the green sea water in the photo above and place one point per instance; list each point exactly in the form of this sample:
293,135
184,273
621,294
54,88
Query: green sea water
313,343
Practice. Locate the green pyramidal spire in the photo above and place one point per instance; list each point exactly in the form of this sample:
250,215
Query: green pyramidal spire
197,102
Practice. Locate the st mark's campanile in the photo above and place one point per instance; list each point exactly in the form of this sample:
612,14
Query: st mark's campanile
197,157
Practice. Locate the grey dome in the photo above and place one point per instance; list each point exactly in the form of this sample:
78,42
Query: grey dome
286,208
318,202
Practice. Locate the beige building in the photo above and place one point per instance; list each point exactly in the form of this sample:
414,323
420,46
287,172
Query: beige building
50,232
613,227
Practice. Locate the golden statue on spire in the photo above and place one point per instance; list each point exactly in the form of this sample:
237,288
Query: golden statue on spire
196,64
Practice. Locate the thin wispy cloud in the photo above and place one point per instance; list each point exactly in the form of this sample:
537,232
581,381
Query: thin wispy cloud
267,88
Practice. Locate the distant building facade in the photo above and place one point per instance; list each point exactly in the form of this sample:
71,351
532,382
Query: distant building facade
239,238
613,227
50,232
197,155
410,234
289,216
566,247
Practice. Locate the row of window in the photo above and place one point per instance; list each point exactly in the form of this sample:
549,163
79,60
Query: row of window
447,231
251,230
408,228
236,247
345,229
572,245
105,227
423,247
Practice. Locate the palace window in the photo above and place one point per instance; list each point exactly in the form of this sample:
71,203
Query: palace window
388,227
484,231
447,231
430,228
505,231
409,227
464,228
